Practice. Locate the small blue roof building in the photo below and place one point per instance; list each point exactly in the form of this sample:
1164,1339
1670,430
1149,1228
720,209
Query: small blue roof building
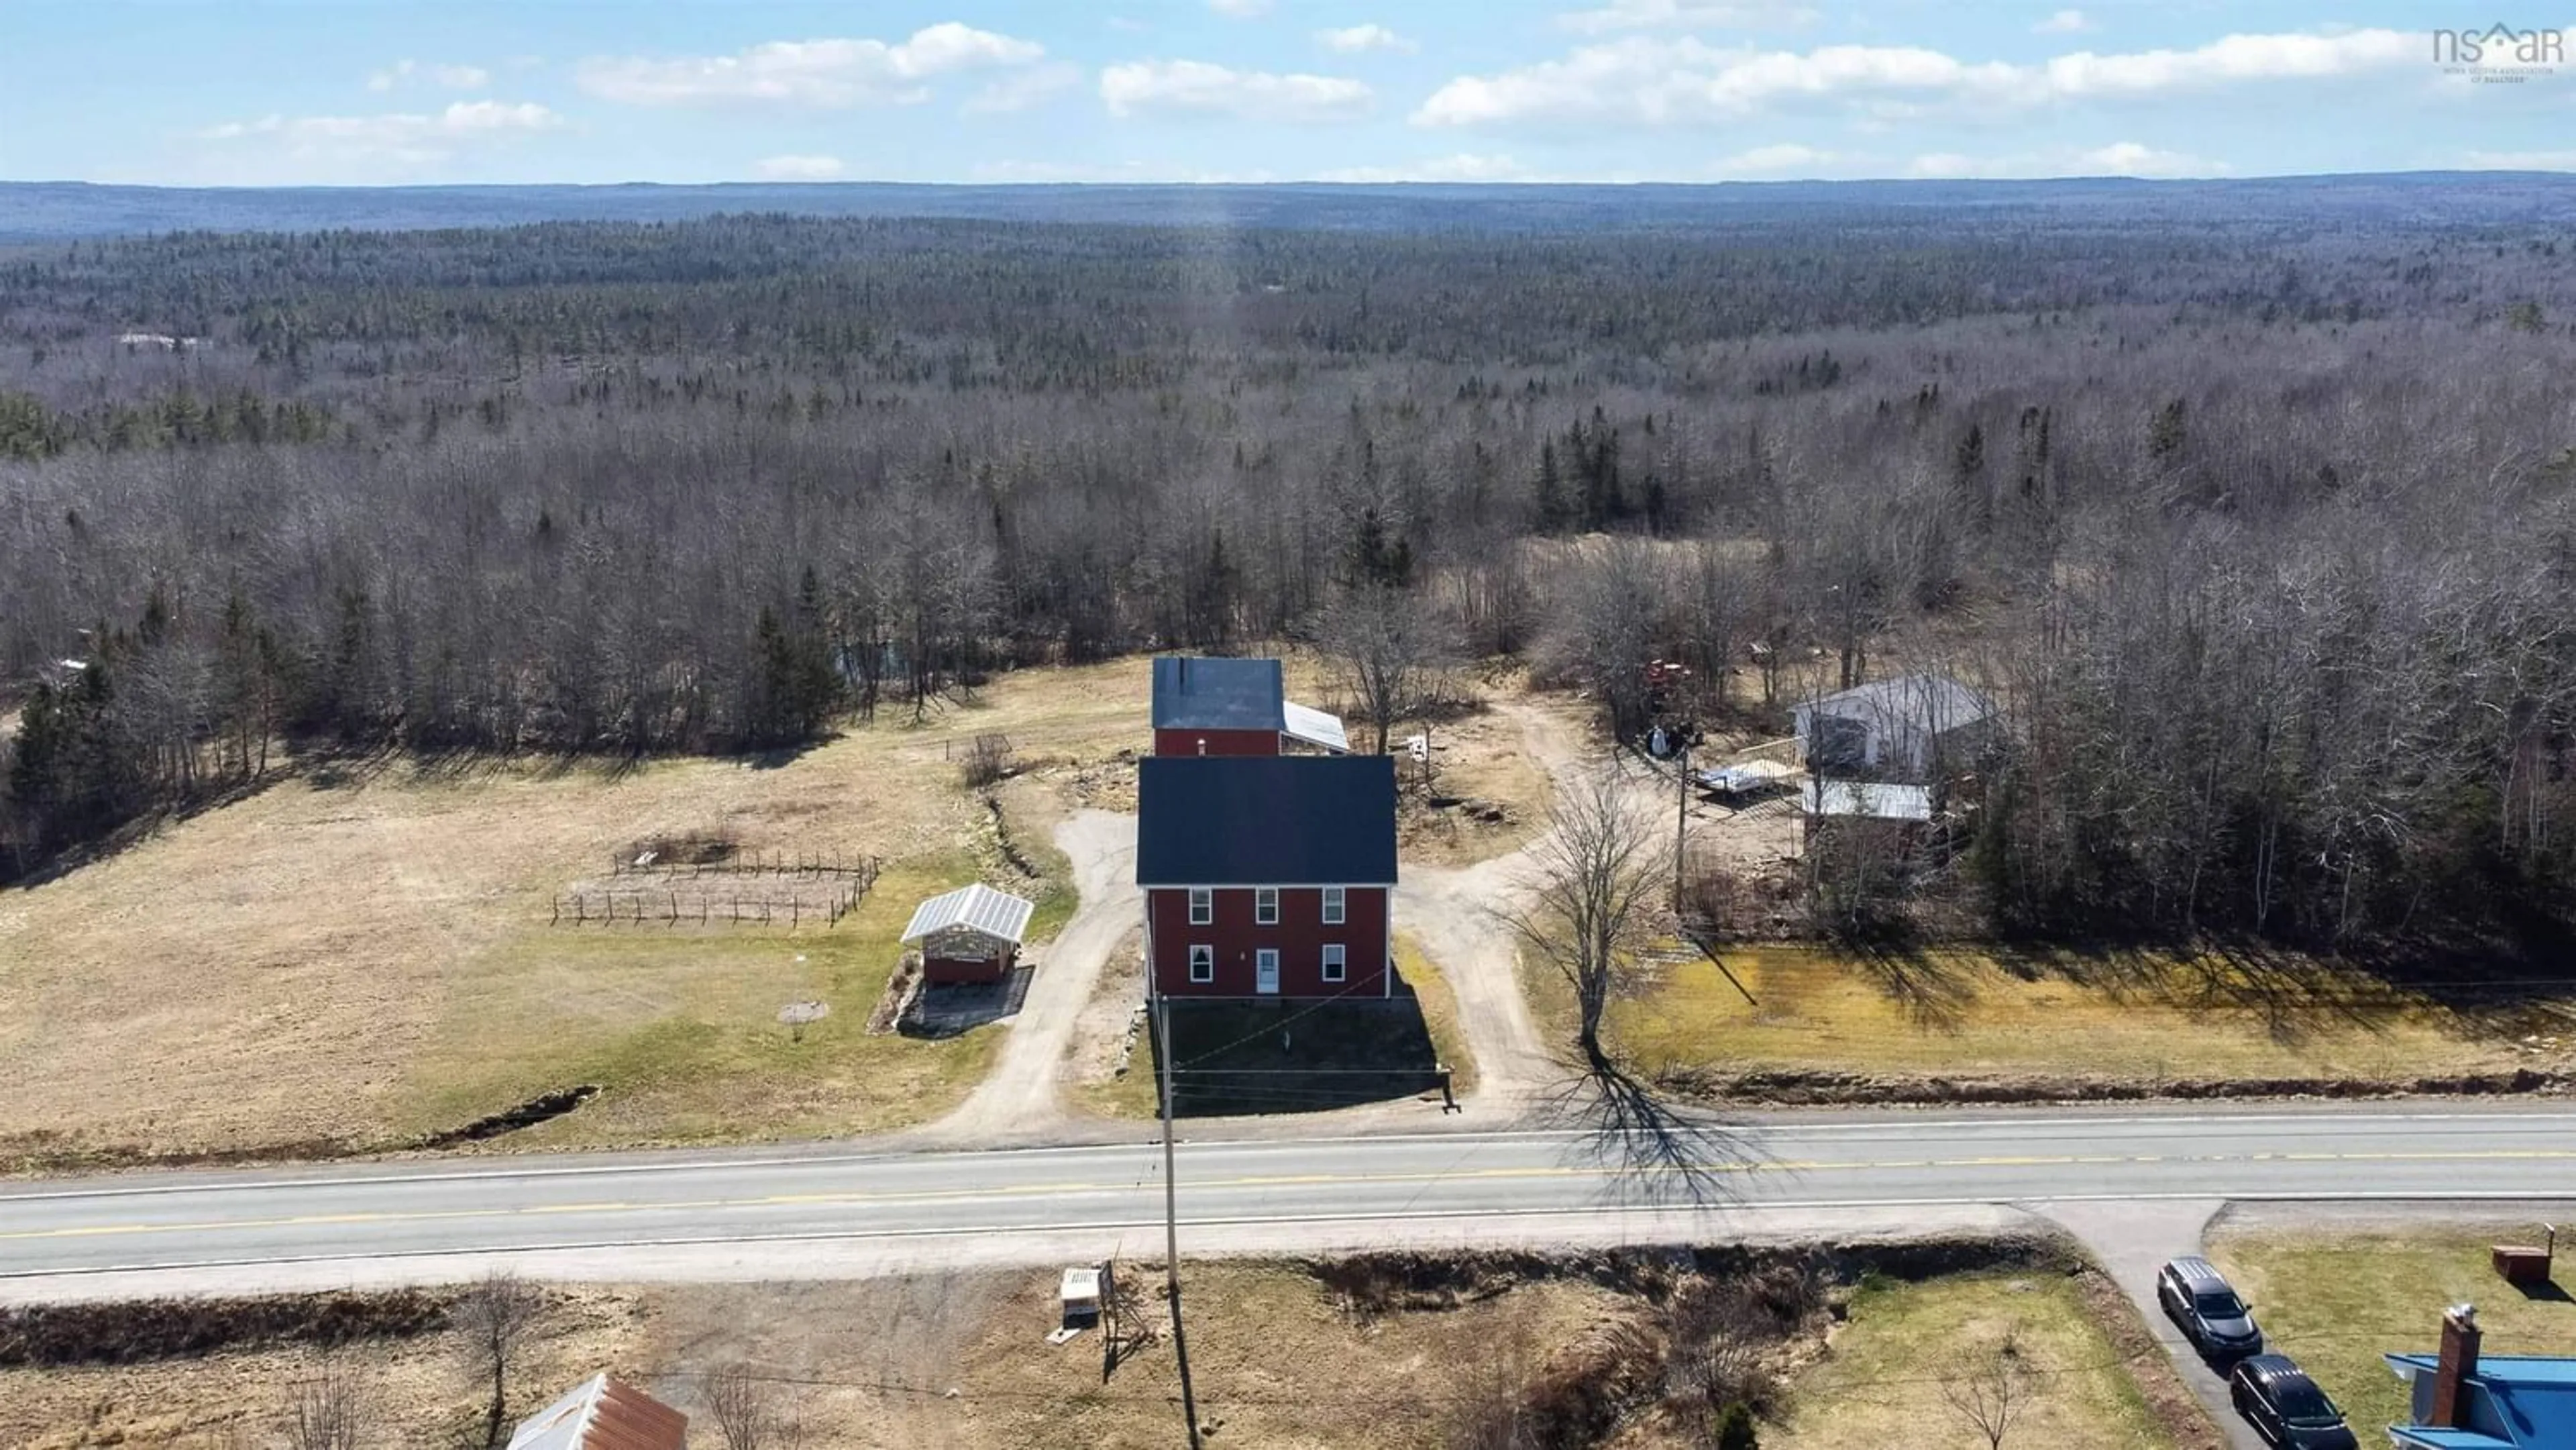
2495,1402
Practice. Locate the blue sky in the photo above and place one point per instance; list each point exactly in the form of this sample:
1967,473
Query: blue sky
253,92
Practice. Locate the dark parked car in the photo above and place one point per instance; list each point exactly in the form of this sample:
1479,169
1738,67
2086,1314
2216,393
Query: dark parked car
2285,1407
2198,1299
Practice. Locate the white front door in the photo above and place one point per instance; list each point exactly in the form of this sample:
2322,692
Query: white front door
1265,971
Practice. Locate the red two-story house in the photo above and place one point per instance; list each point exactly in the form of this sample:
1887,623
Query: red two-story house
1234,707
1267,876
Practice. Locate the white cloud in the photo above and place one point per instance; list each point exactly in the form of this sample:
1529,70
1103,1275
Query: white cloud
1462,167
832,72
1774,159
1240,9
2130,158
1022,90
798,168
1948,165
2064,22
1660,82
1130,172
2233,58
1198,87
395,138
449,77
2521,161
1684,15
1650,81
2120,158
1352,39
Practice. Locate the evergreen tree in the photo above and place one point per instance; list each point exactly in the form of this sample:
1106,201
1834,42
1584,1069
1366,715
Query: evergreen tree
1551,490
1735,1429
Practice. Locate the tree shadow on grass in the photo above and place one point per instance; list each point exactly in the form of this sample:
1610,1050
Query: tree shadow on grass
1932,988
2482,990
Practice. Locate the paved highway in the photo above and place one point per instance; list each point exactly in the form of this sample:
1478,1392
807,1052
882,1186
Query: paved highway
1779,1170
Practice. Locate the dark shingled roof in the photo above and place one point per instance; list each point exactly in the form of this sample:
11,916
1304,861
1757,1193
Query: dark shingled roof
1265,820
1204,694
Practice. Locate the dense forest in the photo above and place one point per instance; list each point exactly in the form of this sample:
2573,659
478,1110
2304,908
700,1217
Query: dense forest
2262,524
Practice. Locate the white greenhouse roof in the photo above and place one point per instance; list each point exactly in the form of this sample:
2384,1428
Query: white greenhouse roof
978,908
1873,799
1316,728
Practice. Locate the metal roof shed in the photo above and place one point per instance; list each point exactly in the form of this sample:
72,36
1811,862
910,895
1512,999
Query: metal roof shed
1315,727
1868,800
602,1413
977,908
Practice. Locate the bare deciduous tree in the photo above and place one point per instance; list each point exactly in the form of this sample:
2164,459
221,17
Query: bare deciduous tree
331,1409
495,1316
1385,642
1993,1391
1491,1410
747,1409
1595,876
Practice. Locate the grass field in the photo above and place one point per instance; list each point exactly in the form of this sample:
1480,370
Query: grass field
361,955
2337,1302
2133,1017
357,956
1883,1385
1279,1358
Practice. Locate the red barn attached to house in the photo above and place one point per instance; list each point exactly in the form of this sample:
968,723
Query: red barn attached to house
968,936
1233,707
1267,876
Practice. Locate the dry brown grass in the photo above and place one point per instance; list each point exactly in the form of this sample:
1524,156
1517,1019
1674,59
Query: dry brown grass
419,1392
961,1360
348,959
2138,1016
355,958
1883,1384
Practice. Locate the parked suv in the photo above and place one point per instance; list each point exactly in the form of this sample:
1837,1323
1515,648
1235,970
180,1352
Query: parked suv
2285,1407
2200,1301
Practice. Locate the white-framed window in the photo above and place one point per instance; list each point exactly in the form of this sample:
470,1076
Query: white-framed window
1336,962
1203,964
1202,906
1265,906
1334,905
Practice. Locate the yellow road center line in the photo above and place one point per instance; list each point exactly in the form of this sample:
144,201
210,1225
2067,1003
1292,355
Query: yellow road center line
854,1199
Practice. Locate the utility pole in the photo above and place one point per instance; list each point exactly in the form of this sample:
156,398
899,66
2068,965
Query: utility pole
1681,824
1171,1214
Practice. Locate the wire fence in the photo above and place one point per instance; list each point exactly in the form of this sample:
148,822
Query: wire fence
782,891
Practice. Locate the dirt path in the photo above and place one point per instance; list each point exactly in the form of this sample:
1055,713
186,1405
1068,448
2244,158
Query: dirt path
1461,917
1021,1096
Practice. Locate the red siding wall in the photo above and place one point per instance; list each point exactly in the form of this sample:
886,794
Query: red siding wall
961,971
1219,742
1300,937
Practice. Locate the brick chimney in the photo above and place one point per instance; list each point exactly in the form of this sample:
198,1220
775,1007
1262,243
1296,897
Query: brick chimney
2459,1361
